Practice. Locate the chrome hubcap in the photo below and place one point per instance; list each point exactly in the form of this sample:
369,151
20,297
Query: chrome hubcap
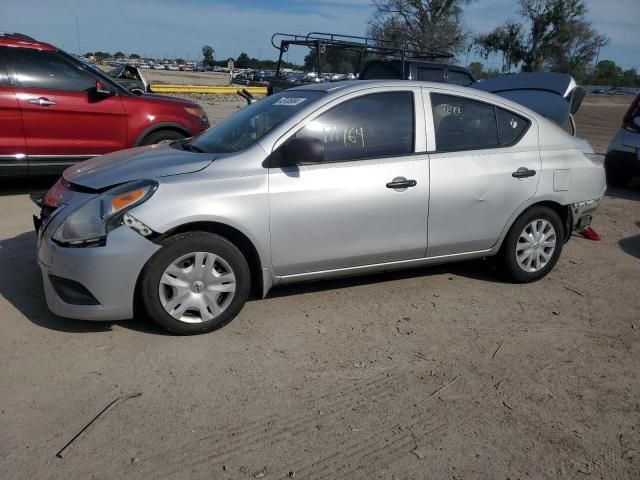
536,245
197,287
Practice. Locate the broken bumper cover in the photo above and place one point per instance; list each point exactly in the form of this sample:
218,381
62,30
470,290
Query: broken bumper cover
93,283
582,213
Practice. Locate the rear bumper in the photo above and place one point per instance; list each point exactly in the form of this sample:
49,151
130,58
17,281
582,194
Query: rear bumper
108,274
582,213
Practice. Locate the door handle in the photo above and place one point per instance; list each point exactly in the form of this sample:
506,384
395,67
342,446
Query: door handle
42,101
523,172
401,182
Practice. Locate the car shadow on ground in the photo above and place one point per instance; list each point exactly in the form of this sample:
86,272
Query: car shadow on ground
21,285
631,245
482,270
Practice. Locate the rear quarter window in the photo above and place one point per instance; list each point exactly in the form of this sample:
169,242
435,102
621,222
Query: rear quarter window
511,127
460,78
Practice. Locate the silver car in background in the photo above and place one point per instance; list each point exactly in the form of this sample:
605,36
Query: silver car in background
324,180
622,162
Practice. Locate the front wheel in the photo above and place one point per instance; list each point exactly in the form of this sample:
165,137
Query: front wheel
196,283
533,245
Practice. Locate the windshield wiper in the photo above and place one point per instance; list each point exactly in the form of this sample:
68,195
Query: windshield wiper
192,148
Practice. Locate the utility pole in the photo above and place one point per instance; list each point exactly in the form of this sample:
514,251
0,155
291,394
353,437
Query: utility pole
78,35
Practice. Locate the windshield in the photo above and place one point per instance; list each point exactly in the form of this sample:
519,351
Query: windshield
247,126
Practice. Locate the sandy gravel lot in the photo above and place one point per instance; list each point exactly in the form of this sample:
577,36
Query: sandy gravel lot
443,373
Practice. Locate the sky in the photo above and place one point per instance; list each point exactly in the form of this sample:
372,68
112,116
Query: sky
179,28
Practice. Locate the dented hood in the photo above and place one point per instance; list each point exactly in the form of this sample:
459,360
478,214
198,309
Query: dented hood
555,96
153,161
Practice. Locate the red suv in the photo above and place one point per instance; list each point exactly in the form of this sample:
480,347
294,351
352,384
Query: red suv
55,111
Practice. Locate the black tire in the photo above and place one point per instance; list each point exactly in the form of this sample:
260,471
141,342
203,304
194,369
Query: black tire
175,247
508,251
160,135
617,175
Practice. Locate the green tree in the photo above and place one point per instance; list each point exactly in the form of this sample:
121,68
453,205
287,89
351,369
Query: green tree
102,55
608,73
477,70
243,61
134,55
88,55
426,24
208,56
630,78
553,35
335,60
119,55
506,39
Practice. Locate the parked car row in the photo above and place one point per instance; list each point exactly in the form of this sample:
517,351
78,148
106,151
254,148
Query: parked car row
614,91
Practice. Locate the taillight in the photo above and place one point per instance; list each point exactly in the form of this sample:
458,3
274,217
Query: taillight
631,119
56,194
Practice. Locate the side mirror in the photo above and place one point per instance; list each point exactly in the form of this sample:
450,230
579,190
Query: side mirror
301,150
102,90
636,121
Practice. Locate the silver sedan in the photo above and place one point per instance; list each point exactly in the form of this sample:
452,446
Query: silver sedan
324,180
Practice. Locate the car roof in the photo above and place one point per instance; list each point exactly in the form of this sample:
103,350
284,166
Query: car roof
17,40
344,87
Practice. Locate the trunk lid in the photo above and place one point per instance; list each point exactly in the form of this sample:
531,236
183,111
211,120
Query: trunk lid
555,96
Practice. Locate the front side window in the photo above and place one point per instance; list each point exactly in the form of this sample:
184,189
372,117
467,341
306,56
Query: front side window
463,124
370,126
48,70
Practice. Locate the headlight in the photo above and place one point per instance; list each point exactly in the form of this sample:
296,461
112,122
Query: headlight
92,222
198,112
57,194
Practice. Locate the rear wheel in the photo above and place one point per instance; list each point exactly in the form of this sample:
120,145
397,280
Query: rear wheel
196,283
533,245
161,135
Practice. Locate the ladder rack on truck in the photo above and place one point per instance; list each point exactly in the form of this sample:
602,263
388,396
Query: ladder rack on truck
319,41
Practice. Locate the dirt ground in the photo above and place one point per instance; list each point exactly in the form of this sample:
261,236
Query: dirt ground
438,373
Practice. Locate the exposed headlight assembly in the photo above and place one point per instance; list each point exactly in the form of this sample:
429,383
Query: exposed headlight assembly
91,222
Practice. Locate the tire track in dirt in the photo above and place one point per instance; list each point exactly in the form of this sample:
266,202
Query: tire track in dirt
358,459
245,439
381,446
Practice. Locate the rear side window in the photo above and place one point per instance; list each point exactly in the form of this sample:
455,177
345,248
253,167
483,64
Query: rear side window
430,74
379,70
48,70
463,124
511,127
371,126
460,78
